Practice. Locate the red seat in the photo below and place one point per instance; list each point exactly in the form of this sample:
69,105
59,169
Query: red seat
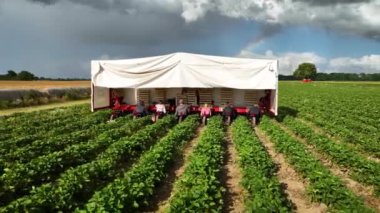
152,108
216,109
241,110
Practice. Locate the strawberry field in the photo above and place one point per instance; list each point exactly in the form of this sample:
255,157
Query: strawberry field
321,154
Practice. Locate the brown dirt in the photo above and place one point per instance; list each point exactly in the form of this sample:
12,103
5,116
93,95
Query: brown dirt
231,177
319,130
295,185
42,84
163,193
366,192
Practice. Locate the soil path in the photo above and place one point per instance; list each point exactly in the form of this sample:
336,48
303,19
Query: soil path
160,199
366,192
295,185
231,177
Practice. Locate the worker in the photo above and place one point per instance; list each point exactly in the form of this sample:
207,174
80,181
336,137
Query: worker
140,110
228,113
264,102
253,114
205,113
116,110
181,111
160,111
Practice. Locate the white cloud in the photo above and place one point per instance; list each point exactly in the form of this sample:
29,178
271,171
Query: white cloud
289,61
192,10
367,63
352,17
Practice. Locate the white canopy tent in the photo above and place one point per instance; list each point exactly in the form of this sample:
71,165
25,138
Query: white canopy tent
183,70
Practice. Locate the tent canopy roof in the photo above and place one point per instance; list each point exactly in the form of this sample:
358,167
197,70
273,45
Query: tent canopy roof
186,70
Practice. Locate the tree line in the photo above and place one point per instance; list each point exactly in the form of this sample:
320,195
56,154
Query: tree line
309,71
23,75
337,77
28,76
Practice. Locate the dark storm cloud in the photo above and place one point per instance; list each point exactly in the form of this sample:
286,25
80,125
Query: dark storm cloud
332,2
123,6
75,34
45,1
358,17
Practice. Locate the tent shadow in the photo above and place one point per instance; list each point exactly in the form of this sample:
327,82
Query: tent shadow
284,112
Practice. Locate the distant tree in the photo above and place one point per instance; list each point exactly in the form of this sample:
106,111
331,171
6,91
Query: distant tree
305,70
26,76
11,74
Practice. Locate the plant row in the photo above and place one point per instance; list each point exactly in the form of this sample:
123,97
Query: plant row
77,184
349,99
58,142
19,178
361,143
367,143
344,115
32,124
362,169
40,117
350,114
199,188
335,116
132,190
258,171
323,185
72,124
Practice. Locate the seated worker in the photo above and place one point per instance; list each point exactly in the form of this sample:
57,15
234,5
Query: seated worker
181,111
228,113
253,114
160,111
264,103
140,110
115,98
116,111
205,113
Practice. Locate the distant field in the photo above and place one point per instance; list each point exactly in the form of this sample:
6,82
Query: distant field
42,84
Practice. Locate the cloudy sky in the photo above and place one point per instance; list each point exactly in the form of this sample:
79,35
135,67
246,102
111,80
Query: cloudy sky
58,38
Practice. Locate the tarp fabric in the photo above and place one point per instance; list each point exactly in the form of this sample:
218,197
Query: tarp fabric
186,70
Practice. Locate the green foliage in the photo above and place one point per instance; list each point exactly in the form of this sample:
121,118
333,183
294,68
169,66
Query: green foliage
20,133
76,183
350,112
259,171
324,186
20,174
338,77
92,124
28,98
26,76
305,70
75,94
56,160
362,169
131,191
11,74
199,189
